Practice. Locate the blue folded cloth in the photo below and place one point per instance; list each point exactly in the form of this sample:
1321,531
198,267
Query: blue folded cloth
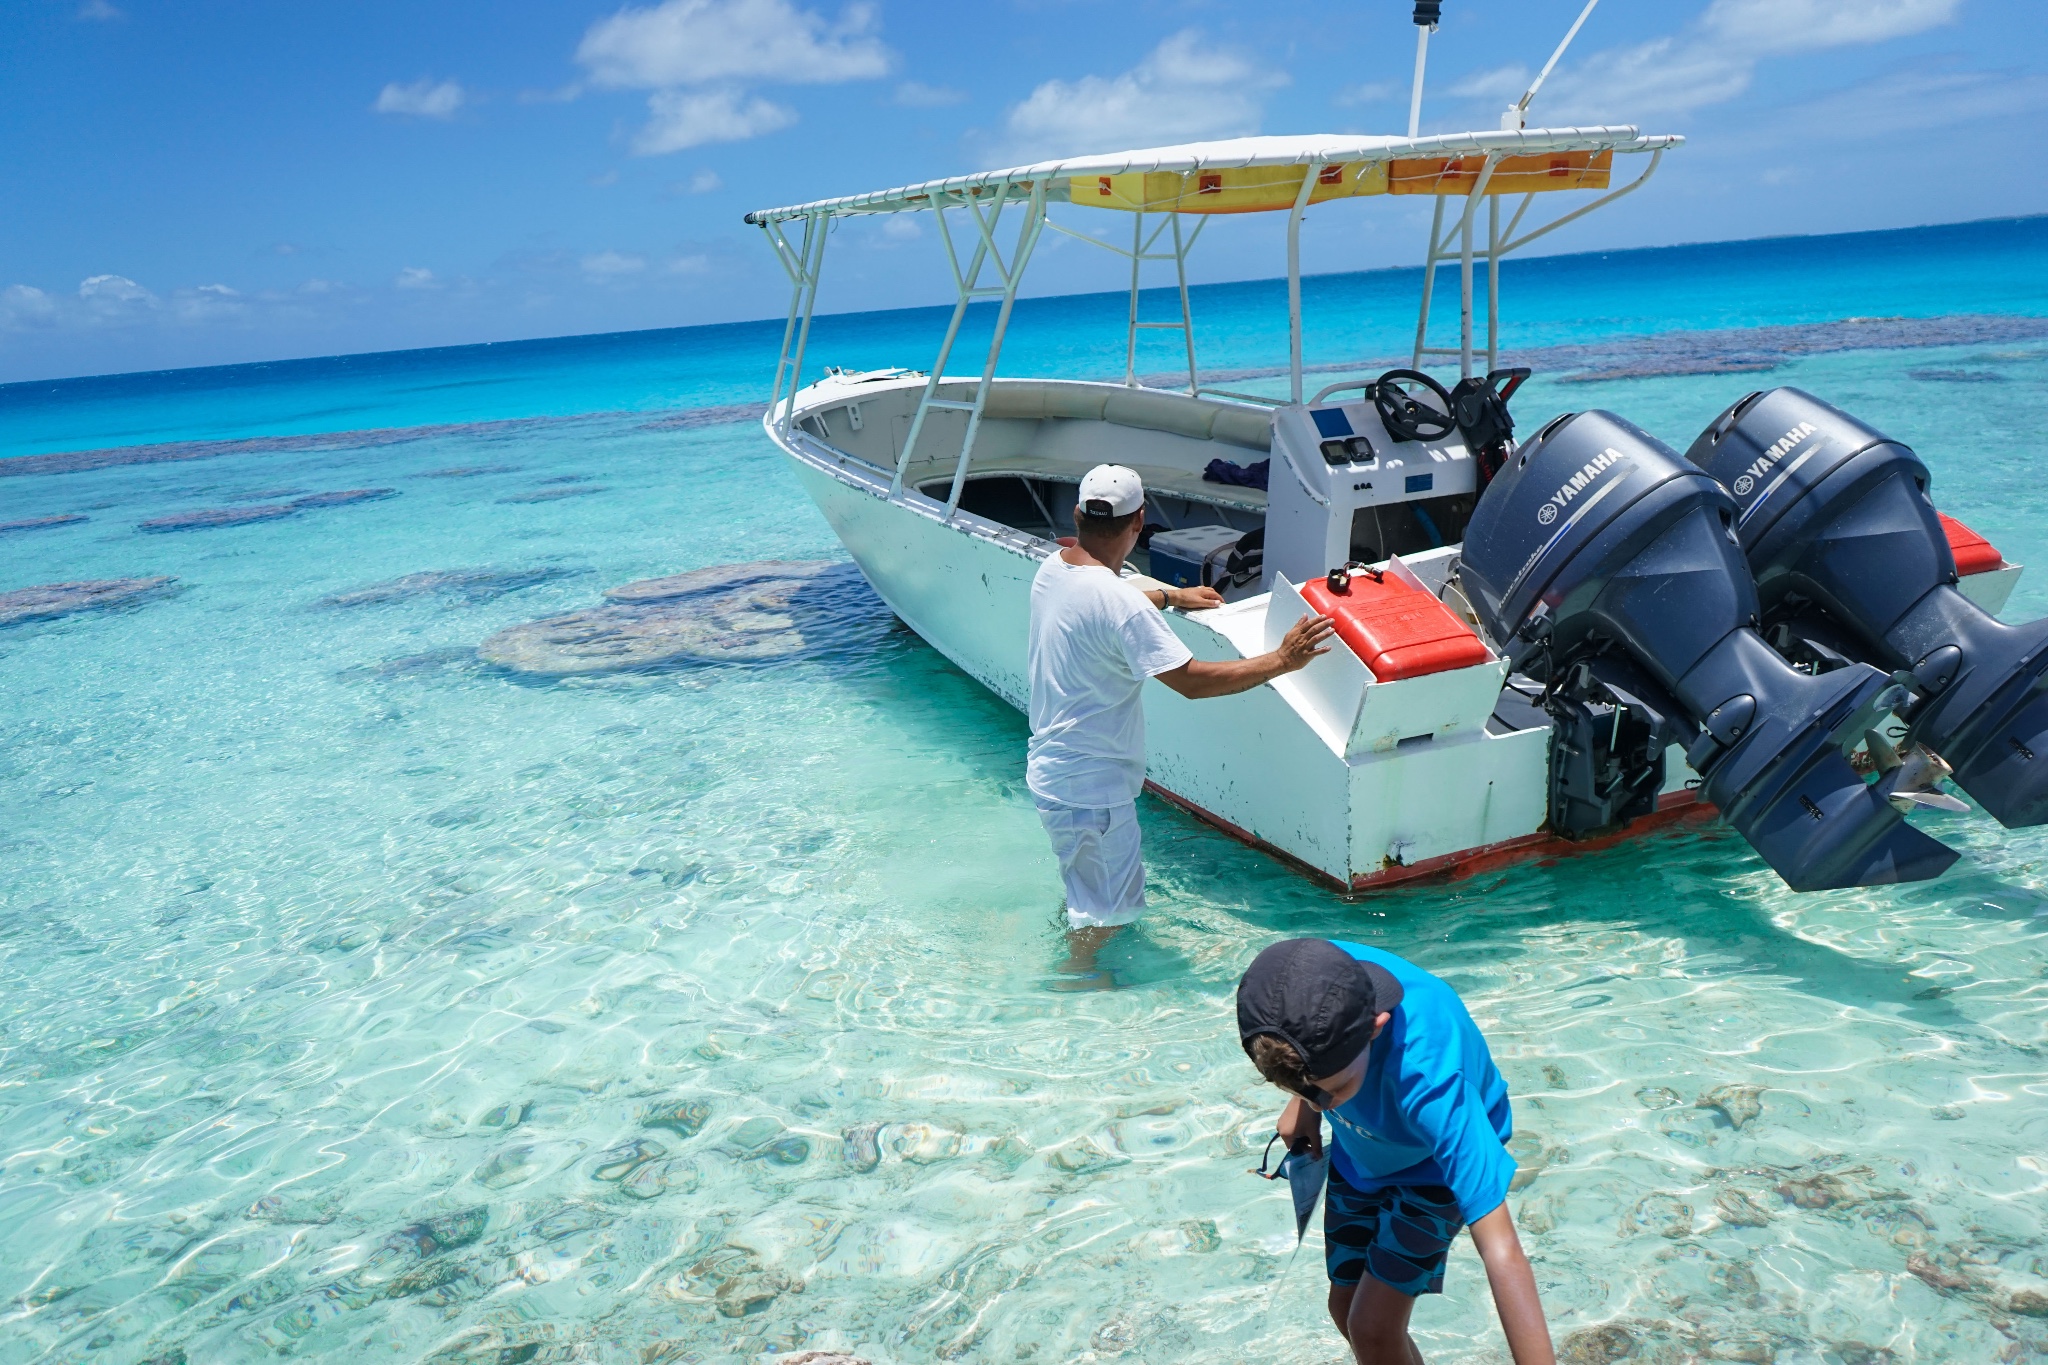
1240,475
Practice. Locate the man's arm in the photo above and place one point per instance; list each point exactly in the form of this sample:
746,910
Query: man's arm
1514,1288
1187,599
1198,678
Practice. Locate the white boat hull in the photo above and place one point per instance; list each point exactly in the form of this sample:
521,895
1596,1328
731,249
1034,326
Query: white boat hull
1361,782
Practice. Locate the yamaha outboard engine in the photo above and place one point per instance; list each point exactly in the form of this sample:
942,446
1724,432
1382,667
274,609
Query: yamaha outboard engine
1607,566
1851,562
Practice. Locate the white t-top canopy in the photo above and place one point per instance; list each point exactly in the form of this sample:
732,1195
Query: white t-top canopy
1255,174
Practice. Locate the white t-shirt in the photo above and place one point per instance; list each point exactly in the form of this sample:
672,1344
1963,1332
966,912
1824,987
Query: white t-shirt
1094,641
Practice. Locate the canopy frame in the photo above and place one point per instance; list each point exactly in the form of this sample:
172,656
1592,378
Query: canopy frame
803,261
967,288
1499,244
1140,252
1441,161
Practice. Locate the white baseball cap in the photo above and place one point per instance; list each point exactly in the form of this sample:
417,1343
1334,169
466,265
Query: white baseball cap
1110,490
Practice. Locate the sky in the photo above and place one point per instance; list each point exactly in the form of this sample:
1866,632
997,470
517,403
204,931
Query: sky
198,182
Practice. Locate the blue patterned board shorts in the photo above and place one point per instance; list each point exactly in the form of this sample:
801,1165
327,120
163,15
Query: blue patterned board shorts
1399,1235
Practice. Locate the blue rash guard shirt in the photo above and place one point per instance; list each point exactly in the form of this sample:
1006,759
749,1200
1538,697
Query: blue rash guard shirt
1432,1109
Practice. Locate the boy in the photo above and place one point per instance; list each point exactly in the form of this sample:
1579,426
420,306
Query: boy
1421,1121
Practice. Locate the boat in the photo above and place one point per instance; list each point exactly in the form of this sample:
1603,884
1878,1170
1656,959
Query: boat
1648,634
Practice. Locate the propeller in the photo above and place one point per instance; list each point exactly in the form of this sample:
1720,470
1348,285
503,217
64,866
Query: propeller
1913,779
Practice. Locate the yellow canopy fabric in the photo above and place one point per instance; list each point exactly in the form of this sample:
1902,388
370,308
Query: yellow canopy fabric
1262,189
1227,189
1264,174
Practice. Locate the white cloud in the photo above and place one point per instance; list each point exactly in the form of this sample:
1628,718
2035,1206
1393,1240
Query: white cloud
689,265
697,55
1181,91
416,277
112,289
1916,98
1662,77
207,303
1371,92
422,99
610,265
918,95
99,10
695,42
115,301
1504,83
706,182
26,305
1714,59
115,304
691,118
1764,26
902,227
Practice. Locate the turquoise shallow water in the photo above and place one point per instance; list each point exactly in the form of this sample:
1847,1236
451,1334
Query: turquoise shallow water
353,1009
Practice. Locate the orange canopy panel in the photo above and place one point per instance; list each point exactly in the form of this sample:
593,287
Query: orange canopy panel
1229,189
1512,174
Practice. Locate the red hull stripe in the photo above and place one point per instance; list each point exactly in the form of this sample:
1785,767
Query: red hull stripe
1671,807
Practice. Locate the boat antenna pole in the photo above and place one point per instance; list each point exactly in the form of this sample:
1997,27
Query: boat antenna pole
1515,118
1427,13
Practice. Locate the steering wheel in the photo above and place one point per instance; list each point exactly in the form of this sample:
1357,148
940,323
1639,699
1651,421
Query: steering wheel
1408,418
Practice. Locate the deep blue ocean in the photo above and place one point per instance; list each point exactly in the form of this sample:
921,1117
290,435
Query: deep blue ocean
1991,267
360,998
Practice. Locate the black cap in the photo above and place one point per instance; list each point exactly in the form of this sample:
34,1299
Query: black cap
1314,995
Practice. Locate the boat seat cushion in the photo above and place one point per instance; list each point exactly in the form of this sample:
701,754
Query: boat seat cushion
1201,419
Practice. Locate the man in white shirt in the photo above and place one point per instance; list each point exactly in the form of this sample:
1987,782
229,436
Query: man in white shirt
1095,639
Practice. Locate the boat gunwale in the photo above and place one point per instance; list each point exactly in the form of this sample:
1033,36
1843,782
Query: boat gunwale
840,393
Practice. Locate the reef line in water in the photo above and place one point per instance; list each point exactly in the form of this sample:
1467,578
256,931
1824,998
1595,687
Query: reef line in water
1728,350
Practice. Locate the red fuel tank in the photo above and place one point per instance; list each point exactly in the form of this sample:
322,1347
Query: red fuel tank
1398,630
1973,553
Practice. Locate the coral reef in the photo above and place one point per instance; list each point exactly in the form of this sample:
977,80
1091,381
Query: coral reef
733,614
481,584
41,523
48,601
553,494
207,518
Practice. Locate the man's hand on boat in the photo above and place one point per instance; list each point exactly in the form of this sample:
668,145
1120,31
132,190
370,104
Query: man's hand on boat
1199,678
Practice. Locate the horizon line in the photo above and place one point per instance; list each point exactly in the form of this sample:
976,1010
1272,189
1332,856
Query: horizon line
1022,298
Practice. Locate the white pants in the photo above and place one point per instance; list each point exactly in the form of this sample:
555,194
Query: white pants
1101,862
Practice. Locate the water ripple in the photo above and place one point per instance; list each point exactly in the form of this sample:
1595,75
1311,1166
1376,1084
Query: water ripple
351,1009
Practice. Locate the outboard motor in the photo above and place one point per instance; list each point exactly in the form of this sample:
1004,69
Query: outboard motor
1607,567
1851,562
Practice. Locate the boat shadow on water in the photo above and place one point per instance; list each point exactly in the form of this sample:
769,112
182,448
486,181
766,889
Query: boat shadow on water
1655,885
